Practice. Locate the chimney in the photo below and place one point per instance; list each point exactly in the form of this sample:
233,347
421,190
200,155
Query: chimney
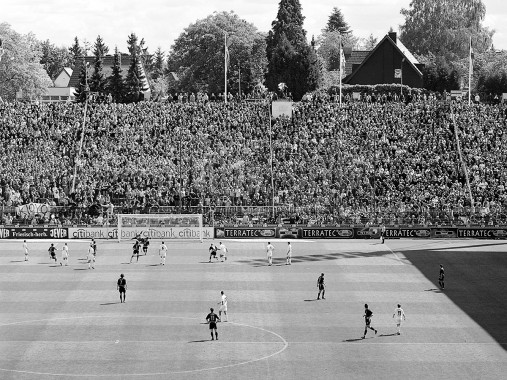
392,36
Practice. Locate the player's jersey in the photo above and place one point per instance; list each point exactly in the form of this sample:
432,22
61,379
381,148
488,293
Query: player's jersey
91,251
224,300
212,317
213,250
320,280
162,249
270,249
65,250
51,251
441,275
146,243
367,314
399,313
289,250
223,248
136,247
25,247
122,282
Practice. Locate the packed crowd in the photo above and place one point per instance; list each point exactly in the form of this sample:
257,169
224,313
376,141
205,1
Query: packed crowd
330,164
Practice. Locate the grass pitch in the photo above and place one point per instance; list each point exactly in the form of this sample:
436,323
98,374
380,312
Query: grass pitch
59,322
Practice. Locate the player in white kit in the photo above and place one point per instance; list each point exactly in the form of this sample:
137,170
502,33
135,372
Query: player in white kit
269,251
289,254
25,249
65,255
399,315
223,252
162,251
223,306
91,257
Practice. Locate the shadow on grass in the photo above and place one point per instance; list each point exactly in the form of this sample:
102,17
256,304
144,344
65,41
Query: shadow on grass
80,268
109,303
201,341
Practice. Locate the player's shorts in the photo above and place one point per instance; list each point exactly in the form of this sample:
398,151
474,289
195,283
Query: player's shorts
213,254
321,287
223,308
65,255
53,255
122,289
212,325
398,321
163,255
367,321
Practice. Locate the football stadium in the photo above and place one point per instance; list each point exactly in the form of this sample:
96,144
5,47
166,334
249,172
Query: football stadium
346,197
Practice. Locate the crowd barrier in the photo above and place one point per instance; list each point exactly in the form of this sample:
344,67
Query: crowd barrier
360,232
293,232
127,233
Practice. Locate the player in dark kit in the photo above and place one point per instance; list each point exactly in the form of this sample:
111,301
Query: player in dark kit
367,320
135,251
52,252
441,277
213,252
121,285
212,319
146,243
94,245
321,286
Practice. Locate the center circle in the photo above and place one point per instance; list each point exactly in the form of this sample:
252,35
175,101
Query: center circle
119,346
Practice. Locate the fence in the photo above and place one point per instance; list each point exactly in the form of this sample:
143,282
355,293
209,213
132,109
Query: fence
315,214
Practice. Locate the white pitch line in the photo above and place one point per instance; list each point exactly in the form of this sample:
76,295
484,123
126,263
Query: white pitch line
394,254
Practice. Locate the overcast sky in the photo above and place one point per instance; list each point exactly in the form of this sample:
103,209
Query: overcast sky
160,22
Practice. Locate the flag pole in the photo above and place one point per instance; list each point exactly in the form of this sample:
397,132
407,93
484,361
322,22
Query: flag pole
225,66
470,68
341,66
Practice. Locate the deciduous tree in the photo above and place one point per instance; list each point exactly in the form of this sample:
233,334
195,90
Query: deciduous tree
20,67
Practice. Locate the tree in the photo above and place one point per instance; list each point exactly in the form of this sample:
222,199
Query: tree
135,76
290,59
20,67
83,88
75,51
158,64
53,58
115,82
369,43
438,74
197,56
336,23
98,80
443,27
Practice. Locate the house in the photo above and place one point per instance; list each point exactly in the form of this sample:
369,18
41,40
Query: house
107,69
389,62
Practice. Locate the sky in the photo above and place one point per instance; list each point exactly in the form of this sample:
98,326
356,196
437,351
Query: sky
160,22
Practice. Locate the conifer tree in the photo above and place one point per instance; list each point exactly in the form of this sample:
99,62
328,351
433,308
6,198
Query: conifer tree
75,52
98,80
82,88
116,85
336,23
135,76
290,58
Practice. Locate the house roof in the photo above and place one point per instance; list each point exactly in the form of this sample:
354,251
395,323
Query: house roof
398,46
68,71
355,57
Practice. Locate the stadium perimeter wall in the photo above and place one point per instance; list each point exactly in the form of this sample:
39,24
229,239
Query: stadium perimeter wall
296,232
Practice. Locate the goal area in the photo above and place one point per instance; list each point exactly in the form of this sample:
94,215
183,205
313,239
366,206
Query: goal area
164,227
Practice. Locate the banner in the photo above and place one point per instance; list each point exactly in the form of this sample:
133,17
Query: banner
444,232
483,233
128,233
397,233
326,233
29,210
246,232
34,233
